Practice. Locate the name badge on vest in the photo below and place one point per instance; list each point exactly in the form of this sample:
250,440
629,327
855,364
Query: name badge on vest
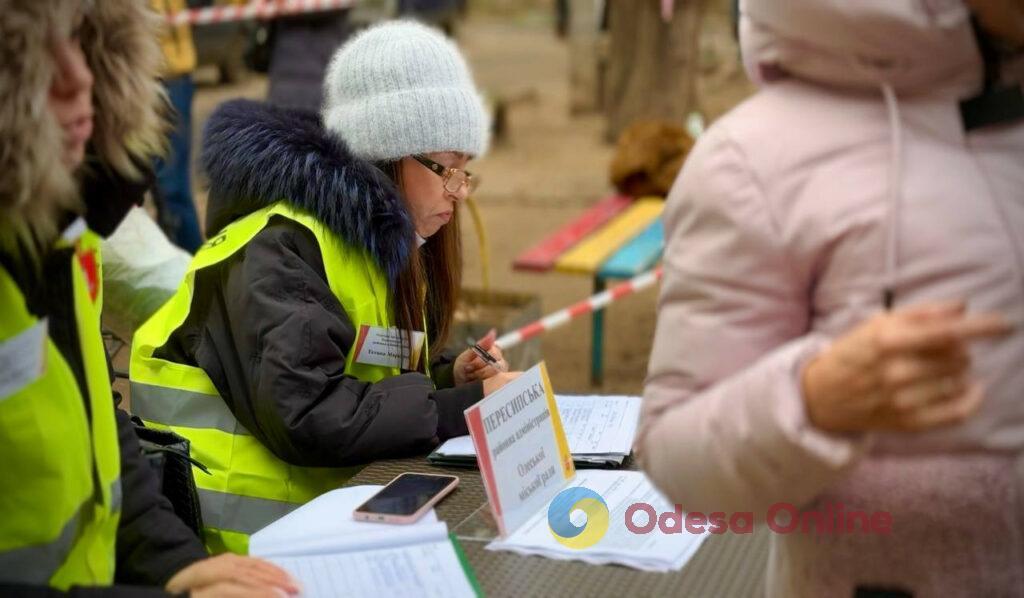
22,359
389,347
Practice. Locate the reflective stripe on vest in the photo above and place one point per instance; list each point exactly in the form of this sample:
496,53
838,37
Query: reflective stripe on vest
184,408
38,563
245,514
248,486
60,494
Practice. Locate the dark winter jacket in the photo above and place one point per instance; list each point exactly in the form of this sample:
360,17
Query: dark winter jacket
264,324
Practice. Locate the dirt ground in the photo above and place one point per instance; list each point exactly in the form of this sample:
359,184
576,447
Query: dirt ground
550,169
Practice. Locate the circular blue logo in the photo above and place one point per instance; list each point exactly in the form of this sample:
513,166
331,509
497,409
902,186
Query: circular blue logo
560,522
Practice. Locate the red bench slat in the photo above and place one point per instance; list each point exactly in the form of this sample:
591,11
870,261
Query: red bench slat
542,257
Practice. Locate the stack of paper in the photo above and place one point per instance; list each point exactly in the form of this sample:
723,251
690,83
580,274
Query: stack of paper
655,550
600,430
331,554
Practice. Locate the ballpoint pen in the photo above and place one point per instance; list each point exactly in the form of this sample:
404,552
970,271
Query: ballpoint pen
487,357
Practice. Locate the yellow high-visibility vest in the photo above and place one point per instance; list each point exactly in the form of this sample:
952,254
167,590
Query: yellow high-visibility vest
249,486
60,492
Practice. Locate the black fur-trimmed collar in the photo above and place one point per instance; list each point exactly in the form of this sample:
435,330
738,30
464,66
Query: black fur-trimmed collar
255,154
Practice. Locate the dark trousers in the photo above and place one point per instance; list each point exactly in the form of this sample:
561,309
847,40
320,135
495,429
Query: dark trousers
177,212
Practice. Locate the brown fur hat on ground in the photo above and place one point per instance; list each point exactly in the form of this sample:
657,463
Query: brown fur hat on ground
121,45
648,157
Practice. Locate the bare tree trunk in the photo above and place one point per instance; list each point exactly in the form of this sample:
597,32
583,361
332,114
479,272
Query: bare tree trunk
584,57
652,65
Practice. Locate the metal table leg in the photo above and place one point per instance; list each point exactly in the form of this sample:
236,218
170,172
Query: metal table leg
597,338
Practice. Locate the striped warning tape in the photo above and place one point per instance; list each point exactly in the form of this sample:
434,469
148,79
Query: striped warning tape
589,305
257,9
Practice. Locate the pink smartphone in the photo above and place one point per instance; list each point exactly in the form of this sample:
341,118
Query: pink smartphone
406,498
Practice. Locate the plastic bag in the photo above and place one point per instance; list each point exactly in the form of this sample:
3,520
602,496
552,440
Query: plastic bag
141,270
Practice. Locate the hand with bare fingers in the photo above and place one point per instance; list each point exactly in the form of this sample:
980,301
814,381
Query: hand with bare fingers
906,370
230,575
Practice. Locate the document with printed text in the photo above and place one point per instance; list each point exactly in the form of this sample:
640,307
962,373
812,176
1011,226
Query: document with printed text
646,546
331,554
600,430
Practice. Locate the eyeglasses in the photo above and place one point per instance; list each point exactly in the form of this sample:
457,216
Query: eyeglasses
453,178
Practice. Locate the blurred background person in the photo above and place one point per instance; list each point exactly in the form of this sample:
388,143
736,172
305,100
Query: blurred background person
176,210
440,13
301,47
80,508
840,322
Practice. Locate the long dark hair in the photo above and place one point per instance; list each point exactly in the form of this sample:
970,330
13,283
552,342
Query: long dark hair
430,281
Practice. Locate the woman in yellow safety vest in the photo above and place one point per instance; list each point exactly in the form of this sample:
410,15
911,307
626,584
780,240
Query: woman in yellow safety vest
304,340
80,508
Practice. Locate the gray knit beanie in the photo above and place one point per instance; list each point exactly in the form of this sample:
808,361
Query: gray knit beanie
401,88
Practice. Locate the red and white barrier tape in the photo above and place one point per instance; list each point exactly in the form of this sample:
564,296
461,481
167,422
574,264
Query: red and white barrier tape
258,9
589,305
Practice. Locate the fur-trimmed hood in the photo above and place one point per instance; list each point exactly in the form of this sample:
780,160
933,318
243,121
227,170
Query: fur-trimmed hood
120,42
255,154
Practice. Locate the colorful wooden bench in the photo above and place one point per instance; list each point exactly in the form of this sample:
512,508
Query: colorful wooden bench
616,238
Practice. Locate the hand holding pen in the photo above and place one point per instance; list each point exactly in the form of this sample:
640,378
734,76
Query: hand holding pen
497,363
483,359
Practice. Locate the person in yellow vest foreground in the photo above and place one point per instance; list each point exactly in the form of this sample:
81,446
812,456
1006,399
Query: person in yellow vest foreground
329,239
80,508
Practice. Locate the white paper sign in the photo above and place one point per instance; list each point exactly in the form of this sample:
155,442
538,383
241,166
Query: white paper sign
388,347
521,447
22,359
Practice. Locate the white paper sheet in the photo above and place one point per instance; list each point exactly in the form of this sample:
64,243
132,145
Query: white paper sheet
599,424
654,551
331,554
325,524
430,569
594,425
459,446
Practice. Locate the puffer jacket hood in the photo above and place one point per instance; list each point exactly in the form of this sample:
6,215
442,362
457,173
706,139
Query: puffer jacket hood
255,154
120,42
911,45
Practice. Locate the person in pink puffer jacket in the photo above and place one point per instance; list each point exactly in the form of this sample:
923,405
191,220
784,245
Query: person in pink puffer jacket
842,315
